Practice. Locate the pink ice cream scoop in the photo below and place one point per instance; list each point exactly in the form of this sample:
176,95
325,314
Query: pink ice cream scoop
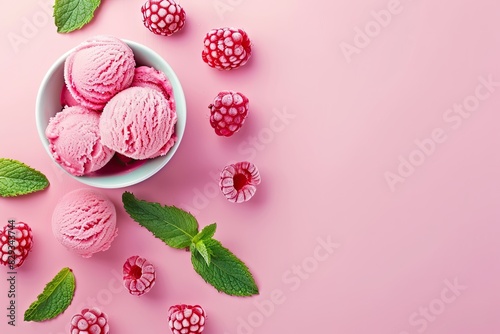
84,221
138,123
98,69
75,141
145,76
67,99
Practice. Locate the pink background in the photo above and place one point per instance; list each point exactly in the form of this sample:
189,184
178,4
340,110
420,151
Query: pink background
323,168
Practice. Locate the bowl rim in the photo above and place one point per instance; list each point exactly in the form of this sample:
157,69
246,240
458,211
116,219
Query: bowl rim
120,180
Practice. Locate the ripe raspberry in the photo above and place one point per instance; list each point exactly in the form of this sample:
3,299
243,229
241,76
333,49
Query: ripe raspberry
16,241
138,275
226,48
186,319
163,17
228,112
91,321
238,181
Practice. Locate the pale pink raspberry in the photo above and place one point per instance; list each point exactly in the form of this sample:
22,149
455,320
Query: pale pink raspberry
226,48
90,321
228,112
163,17
186,319
139,275
16,241
238,181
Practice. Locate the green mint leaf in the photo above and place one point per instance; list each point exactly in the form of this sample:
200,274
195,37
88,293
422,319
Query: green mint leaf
172,225
198,244
71,15
226,272
202,249
205,234
17,179
55,298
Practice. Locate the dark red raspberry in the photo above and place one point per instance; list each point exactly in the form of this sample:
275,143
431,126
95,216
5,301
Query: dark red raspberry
138,275
186,319
92,321
228,112
238,181
163,17
16,241
226,48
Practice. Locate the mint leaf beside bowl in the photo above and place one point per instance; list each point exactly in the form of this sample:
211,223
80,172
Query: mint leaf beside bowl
71,15
17,178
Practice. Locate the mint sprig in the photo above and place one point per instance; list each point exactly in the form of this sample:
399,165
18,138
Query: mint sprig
17,178
72,15
205,234
202,249
198,242
179,229
55,298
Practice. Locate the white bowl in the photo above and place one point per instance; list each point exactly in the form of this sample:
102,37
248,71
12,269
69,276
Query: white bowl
48,104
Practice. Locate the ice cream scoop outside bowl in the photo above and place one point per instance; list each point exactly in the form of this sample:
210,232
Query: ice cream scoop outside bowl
48,103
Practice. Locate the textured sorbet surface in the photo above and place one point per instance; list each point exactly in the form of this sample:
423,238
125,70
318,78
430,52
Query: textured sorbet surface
84,221
138,123
98,69
75,141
